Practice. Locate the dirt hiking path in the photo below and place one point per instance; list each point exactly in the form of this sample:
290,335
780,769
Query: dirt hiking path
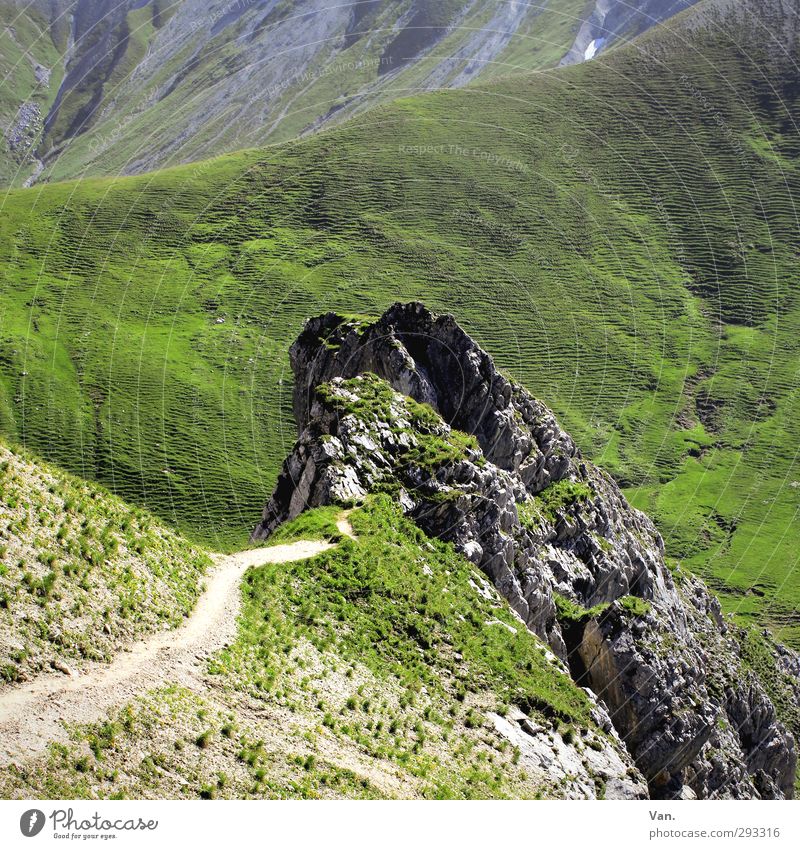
33,715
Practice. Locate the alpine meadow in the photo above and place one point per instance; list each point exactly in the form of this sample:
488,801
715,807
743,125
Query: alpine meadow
457,218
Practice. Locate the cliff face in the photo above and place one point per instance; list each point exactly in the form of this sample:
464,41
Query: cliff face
411,405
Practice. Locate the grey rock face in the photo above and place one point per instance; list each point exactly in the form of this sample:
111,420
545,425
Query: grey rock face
581,568
544,752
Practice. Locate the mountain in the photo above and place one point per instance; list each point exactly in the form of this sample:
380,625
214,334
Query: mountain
455,590
411,406
124,87
439,643
620,235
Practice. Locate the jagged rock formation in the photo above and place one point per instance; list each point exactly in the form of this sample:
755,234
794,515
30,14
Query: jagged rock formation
410,404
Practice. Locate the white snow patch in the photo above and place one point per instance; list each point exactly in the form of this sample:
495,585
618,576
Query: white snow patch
591,50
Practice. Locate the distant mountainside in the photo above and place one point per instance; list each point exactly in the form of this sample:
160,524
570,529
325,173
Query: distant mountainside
621,235
107,87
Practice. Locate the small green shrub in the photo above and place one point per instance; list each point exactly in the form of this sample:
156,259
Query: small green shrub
635,606
203,740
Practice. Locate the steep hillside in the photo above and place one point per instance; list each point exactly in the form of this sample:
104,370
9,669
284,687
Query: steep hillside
34,41
81,573
387,667
411,406
129,86
621,235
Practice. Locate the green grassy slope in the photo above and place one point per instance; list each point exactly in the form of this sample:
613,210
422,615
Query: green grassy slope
81,573
621,236
365,672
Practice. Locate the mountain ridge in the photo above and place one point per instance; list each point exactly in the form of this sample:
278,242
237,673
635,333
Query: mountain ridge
411,700
580,568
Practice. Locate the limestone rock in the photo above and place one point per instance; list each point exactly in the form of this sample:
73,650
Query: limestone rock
554,534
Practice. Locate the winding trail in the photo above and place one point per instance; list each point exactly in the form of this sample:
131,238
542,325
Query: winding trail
343,524
34,715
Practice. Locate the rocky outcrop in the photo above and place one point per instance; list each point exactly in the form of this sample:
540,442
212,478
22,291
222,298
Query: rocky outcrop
411,404
591,772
